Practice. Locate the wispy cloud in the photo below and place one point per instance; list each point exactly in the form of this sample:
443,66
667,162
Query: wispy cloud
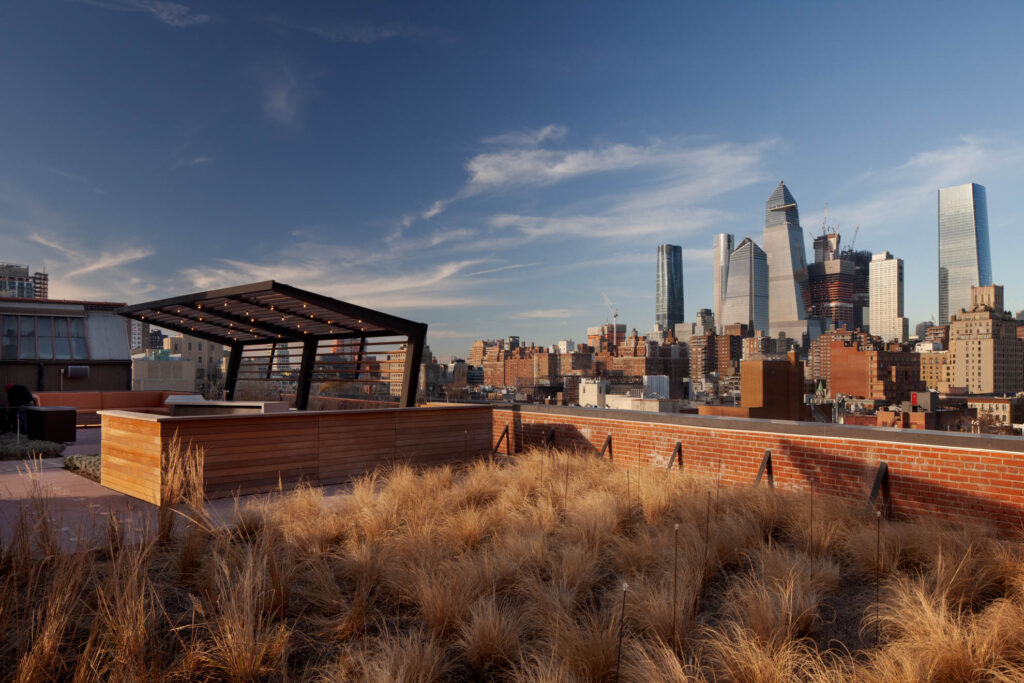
544,314
170,13
893,195
75,178
284,92
443,285
499,269
677,177
356,31
82,272
527,138
194,161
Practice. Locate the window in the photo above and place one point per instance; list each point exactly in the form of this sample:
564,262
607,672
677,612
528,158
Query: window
61,343
9,336
42,337
79,349
27,343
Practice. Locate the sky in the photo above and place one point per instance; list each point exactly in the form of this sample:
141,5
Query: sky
493,168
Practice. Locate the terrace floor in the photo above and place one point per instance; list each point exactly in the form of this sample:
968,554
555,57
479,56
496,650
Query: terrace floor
82,505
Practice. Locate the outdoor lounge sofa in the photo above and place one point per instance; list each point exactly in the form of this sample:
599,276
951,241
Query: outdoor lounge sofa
89,403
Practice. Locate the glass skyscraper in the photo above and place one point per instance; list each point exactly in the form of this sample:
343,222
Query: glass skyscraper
668,304
787,265
746,295
964,258
723,247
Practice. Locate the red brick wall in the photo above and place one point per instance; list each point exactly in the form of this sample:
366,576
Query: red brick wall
967,477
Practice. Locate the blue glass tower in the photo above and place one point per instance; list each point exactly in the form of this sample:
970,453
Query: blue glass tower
668,305
964,255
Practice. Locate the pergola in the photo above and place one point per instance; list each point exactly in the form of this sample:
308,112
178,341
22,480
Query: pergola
274,313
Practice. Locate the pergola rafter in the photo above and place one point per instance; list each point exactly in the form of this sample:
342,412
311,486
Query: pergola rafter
274,313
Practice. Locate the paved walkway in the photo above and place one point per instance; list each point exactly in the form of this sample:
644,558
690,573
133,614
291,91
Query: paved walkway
80,506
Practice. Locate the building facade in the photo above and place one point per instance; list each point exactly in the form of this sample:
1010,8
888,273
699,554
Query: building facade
886,291
17,282
964,254
63,345
722,250
207,357
747,299
787,265
986,351
830,283
668,303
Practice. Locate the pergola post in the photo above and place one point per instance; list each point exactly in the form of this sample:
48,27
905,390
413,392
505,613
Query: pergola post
413,358
305,382
231,376
359,358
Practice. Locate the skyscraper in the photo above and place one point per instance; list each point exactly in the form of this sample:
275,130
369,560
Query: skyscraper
787,266
723,247
830,282
746,300
886,292
668,305
964,259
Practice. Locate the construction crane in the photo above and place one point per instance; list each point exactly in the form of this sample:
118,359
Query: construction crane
854,240
614,312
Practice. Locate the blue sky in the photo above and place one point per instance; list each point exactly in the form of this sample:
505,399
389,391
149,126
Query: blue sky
491,168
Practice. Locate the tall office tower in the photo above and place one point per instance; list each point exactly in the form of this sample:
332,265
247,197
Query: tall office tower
830,282
886,278
964,259
861,261
746,300
723,247
668,305
787,266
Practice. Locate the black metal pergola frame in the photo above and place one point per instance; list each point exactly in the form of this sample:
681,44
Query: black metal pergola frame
271,312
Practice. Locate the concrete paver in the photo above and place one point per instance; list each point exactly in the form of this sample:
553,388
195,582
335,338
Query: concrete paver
82,507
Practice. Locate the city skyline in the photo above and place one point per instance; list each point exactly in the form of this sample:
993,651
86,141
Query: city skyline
430,161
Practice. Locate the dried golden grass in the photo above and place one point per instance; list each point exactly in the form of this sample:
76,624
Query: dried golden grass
507,571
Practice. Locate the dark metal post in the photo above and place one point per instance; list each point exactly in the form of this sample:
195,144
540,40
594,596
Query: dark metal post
270,360
231,376
413,358
305,374
359,358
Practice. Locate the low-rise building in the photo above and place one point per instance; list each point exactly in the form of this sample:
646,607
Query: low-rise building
57,345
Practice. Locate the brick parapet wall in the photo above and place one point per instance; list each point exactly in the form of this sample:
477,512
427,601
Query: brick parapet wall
957,476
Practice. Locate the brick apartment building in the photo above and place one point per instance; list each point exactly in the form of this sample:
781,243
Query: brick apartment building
819,356
879,374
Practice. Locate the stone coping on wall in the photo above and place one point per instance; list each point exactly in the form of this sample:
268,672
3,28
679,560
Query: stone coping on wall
297,414
983,442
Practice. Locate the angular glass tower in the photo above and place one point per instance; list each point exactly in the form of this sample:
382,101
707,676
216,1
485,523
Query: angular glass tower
668,304
746,299
787,265
723,247
964,258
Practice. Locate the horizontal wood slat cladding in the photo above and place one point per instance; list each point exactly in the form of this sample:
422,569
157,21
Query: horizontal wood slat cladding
253,453
131,457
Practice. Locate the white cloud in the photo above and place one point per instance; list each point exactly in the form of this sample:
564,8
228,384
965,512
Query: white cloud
495,171
170,13
435,208
527,138
544,314
74,177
